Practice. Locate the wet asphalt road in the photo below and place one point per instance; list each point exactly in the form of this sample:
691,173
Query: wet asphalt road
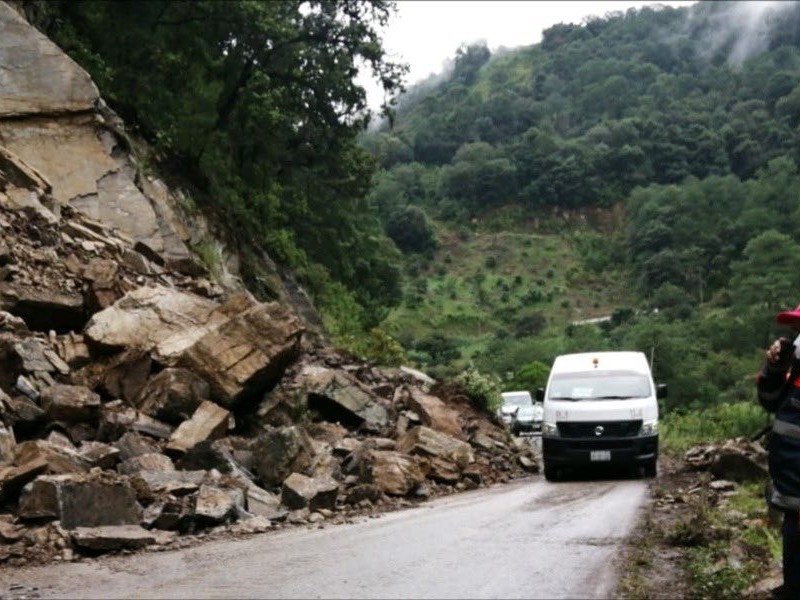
528,539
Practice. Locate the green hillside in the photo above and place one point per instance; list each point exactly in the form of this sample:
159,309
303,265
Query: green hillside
519,287
640,166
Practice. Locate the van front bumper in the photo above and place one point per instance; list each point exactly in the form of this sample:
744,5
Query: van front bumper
584,451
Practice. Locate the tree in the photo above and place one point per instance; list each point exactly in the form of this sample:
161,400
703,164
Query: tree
411,230
768,275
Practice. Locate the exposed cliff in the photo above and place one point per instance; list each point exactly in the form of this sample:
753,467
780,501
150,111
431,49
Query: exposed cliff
54,122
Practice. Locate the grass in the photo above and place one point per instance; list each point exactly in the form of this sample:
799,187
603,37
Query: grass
724,544
745,546
679,432
487,283
210,254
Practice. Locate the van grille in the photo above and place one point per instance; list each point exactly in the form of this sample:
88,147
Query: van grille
586,429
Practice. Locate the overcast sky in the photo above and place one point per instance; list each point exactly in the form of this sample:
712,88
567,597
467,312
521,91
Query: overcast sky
425,33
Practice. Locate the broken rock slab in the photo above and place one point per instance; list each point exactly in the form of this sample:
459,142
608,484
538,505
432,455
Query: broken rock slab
57,458
208,422
14,478
428,442
71,403
433,412
280,451
8,444
132,444
99,454
126,375
392,472
113,537
214,505
164,513
151,484
44,309
299,491
264,504
173,395
340,397
146,462
80,501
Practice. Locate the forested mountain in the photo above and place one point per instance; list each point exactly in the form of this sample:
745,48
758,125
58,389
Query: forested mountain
682,123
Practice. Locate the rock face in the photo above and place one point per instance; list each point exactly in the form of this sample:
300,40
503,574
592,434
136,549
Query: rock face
45,79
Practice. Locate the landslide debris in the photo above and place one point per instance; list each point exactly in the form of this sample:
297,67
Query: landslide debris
140,405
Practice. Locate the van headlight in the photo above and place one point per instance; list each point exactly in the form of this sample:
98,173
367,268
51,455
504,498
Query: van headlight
550,429
649,427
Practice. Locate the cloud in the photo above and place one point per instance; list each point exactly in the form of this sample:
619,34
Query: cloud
740,27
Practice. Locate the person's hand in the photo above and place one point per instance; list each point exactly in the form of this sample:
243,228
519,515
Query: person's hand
780,353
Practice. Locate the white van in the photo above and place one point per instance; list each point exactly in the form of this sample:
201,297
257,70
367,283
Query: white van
600,408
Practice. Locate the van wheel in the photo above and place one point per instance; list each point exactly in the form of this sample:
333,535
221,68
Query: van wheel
550,472
651,469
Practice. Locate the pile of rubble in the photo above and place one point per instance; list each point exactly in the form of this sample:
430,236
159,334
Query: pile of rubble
736,459
139,405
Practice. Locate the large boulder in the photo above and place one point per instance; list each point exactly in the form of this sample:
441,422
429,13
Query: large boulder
433,412
80,501
240,347
173,395
393,472
148,316
37,76
428,442
247,354
278,452
339,397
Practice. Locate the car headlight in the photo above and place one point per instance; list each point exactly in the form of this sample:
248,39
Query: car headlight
649,427
550,429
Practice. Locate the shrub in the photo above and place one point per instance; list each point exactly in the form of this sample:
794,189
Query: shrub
483,389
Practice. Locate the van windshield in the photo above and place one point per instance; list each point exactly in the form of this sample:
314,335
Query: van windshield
599,385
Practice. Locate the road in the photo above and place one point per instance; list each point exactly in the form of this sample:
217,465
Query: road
527,539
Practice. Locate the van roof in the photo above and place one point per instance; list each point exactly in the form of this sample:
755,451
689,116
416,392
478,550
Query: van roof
584,361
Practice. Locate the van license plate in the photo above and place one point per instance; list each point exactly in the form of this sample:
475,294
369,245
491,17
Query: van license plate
600,455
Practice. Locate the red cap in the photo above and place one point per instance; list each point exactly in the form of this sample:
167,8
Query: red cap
789,317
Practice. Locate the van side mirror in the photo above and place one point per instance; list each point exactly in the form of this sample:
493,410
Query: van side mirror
661,390
540,394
